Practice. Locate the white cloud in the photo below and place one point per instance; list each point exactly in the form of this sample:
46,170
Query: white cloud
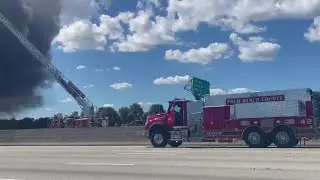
81,35
172,80
121,86
116,68
74,10
108,105
148,4
84,35
255,48
141,103
218,91
201,55
313,33
99,70
80,67
145,33
88,86
49,109
147,28
239,15
67,100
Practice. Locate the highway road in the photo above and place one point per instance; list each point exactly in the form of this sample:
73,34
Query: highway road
145,163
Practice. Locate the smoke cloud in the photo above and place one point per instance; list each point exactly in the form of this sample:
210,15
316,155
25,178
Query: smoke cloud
21,76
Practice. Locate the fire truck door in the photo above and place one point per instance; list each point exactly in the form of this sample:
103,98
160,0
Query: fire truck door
214,121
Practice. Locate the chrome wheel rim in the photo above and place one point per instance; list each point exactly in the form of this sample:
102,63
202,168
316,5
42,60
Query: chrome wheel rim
254,138
158,138
282,137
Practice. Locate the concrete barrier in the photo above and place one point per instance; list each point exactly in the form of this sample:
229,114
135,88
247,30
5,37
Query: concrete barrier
113,136
73,135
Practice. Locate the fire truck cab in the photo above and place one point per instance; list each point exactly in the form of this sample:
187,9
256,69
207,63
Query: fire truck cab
282,117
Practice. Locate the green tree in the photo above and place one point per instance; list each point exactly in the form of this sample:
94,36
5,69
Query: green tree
136,112
144,117
111,114
26,123
156,109
42,123
124,114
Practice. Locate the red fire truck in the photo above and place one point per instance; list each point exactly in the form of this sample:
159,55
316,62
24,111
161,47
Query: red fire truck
282,117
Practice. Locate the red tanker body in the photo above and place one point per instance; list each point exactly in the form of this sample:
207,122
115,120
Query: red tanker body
261,118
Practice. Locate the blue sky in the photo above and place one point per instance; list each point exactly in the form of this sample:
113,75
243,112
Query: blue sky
274,47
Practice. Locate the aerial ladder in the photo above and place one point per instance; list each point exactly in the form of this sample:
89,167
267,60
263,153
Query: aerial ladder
84,103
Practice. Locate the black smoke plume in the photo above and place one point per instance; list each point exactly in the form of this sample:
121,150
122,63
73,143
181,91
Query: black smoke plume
21,76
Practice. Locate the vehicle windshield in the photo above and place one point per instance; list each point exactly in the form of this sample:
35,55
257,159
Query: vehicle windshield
170,107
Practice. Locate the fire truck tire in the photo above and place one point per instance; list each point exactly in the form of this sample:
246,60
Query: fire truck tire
159,138
256,138
175,143
284,138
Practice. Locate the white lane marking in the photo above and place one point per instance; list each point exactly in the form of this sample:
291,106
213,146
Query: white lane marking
98,164
9,179
137,153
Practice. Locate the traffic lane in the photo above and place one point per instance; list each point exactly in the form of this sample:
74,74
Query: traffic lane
213,156
137,173
146,163
143,172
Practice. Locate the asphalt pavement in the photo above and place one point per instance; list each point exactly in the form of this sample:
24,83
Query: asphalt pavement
145,163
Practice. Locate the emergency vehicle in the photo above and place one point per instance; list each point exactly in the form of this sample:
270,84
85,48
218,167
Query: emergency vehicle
282,117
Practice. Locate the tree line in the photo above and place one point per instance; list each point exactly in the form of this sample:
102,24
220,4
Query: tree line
125,115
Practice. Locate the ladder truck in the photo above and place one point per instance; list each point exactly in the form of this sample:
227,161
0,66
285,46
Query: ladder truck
84,103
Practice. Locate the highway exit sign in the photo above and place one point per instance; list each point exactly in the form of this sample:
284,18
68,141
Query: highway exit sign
198,87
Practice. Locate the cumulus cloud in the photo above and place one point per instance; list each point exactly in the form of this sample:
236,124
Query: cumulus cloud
255,48
99,70
80,67
218,91
121,86
49,109
84,35
108,105
201,55
238,15
88,86
145,33
141,103
313,32
67,100
172,80
73,10
145,28
116,68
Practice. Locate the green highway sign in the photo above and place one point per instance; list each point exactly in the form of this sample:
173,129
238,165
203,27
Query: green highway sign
200,87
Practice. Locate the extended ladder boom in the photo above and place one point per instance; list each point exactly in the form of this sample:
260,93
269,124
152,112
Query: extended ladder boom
75,92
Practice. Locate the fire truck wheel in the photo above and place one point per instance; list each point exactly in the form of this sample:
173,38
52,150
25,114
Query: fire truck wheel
255,138
284,138
175,143
159,139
